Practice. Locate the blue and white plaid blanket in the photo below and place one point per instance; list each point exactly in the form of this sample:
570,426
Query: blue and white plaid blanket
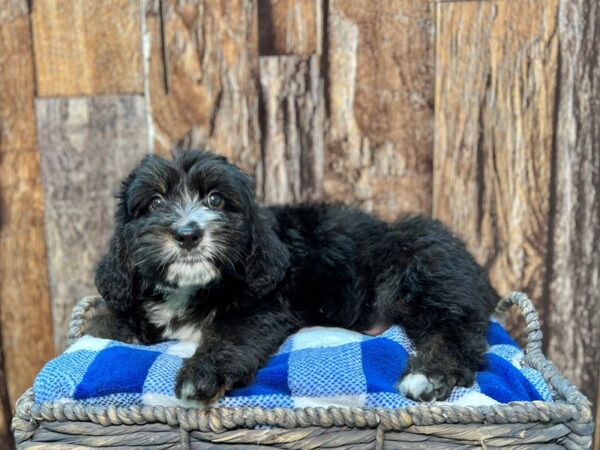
315,367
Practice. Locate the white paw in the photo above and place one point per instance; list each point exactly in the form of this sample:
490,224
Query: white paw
188,390
419,387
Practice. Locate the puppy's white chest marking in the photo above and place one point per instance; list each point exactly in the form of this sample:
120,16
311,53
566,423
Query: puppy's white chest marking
186,333
162,314
168,315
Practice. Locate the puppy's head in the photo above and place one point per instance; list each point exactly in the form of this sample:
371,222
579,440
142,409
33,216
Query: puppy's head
186,223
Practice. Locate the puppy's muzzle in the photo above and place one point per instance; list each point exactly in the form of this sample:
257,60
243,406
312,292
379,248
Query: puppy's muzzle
188,237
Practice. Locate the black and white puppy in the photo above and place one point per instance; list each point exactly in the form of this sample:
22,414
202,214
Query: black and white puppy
194,257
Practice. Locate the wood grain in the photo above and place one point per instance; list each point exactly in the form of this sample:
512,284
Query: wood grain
87,145
289,27
379,90
16,117
596,413
495,106
87,47
206,93
12,9
573,318
25,314
293,107
17,130
5,406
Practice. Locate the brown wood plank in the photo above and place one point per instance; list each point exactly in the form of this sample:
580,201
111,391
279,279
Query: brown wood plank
87,47
573,324
25,314
16,113
495,105
206,93
293,107
12,9
379,89
87,145
5,405
289,27
17,89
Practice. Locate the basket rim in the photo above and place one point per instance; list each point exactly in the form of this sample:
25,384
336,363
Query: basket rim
571,407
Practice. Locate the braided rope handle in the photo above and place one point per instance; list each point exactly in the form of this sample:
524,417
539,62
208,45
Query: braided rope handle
536,358
81,316
527,309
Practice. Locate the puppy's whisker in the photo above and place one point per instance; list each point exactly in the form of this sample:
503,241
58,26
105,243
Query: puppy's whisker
219,249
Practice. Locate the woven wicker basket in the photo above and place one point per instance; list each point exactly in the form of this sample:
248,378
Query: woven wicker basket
566,423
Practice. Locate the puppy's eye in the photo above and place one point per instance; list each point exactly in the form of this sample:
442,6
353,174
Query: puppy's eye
156,203
215,200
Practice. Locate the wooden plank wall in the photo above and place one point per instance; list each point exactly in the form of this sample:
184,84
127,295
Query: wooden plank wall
573,289
25,309
495,106
481,113
87,145
87,142
379,68
203,91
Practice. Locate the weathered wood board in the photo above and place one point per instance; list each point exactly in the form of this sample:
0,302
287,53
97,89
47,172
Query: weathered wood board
495,106
17,123
293,116
25,312
379,88
290,27
87,47
5,406
12,9
573,317
203,77
596,443
25,315
87,146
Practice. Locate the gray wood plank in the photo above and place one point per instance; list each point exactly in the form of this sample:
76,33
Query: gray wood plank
573,324
292,134
494,126
87,146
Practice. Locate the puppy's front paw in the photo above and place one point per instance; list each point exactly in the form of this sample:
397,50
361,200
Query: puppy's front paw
425,388
196,381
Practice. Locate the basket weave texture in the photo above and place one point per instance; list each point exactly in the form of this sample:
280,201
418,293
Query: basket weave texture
565,423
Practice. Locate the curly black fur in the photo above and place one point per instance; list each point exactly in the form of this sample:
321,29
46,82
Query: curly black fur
258,274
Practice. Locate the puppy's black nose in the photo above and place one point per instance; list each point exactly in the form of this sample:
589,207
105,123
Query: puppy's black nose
188,237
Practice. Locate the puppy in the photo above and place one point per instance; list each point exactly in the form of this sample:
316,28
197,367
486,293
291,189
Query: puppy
194,257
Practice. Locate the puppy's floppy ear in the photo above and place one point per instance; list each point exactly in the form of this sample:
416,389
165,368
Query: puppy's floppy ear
269,258
115,278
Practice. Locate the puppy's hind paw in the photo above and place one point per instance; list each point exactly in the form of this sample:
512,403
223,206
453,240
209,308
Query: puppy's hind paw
424,388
